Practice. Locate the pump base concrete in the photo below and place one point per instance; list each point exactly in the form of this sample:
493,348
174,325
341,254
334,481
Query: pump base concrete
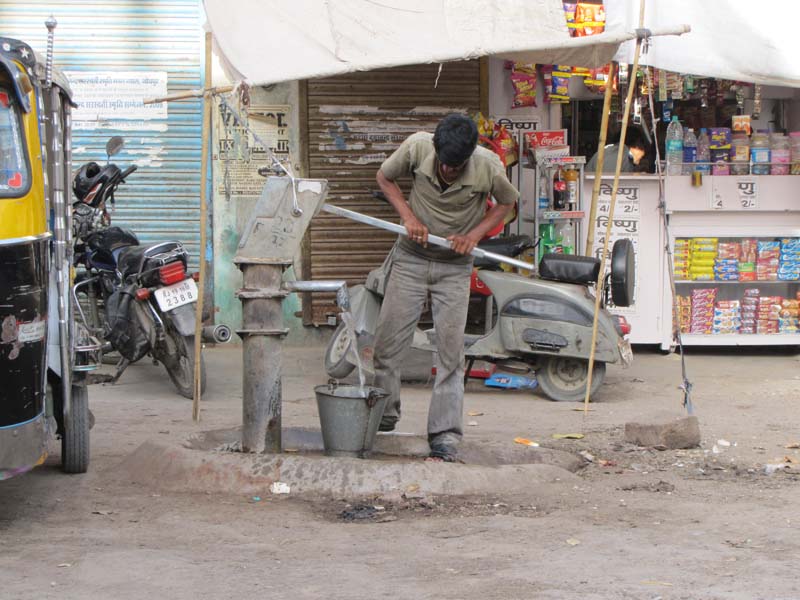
206,463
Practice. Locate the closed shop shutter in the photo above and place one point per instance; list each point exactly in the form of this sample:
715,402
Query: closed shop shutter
161,200
355,122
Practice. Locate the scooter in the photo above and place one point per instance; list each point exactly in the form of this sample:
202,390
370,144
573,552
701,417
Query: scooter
543,324
140,299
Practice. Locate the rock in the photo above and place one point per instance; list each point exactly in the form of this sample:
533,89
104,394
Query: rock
671,434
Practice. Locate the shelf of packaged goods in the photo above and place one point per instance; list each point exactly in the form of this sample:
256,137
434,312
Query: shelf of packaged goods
717,282
741,339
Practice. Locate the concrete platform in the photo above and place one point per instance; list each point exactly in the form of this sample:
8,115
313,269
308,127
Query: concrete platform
207,462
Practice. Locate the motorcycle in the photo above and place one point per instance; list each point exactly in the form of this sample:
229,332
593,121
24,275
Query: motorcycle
542,324
140,299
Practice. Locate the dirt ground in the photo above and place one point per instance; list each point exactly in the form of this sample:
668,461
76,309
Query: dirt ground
641,524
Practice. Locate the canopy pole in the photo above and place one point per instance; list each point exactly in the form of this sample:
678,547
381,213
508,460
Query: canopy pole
198,326
603,258
601,152
222,89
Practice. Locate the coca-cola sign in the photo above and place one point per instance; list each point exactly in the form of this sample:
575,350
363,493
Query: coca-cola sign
546,138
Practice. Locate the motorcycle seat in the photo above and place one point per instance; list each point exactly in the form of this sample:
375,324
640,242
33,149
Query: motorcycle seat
511,246
111,238
569,268
130,259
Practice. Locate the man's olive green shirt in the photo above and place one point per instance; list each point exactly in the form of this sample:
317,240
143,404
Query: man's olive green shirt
459,208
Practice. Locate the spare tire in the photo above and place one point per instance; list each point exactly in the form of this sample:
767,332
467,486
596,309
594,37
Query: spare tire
623,273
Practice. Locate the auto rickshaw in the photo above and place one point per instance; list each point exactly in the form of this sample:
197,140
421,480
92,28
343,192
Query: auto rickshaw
44,353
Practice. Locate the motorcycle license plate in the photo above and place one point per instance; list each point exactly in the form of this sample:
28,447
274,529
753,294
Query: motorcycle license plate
176,295
625,352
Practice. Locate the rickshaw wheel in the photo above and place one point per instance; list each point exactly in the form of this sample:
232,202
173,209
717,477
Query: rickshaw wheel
75,439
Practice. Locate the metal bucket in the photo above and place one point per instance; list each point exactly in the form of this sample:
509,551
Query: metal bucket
349,417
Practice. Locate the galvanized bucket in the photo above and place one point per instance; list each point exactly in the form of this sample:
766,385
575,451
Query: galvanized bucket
349,417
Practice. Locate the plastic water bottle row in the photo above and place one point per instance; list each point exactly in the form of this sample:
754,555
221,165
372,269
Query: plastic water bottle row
738,154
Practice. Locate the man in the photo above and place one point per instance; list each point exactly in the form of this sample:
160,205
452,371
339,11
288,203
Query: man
635,150
451,179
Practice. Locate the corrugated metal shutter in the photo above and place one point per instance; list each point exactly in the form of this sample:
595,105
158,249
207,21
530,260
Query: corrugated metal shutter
161,200
354,122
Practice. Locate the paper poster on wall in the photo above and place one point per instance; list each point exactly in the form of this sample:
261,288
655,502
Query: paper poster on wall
624,225
239,155
117,96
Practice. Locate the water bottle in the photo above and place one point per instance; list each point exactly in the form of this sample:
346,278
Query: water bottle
689,151
674,144
566,238
703,152
544,198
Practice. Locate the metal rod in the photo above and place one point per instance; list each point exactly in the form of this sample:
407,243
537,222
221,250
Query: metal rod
60,252
50,23
432,239
336,285
314,286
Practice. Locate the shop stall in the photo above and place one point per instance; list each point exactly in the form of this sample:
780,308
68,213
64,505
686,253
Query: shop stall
729,196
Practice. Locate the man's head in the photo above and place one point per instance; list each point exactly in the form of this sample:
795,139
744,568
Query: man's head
637,147
454,140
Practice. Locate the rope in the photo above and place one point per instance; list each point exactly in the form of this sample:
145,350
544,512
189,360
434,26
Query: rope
612,204
686,385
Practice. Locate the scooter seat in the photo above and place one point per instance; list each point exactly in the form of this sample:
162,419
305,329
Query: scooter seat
569,268
510,246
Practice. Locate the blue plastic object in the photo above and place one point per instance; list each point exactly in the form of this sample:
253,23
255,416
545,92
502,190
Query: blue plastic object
511,382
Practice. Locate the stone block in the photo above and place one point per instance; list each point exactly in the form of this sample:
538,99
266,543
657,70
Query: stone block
671,434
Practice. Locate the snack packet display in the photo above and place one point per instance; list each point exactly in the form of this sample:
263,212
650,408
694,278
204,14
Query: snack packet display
590,19
547,77
559,90
702,320
523,77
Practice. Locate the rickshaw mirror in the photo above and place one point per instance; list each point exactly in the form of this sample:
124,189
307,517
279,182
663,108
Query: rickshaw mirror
114,145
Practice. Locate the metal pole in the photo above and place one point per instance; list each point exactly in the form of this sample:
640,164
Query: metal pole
262,322
432,239
61,226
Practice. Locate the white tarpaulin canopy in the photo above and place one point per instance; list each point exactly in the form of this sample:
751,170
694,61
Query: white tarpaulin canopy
739,40
267,41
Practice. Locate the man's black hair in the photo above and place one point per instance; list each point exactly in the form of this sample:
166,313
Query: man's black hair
634,138
455,139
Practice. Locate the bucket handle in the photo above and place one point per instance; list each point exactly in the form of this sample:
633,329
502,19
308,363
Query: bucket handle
372,398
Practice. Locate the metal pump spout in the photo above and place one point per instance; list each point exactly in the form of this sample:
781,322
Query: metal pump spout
337,285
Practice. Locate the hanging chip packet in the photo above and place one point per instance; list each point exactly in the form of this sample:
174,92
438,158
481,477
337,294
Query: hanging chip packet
523,77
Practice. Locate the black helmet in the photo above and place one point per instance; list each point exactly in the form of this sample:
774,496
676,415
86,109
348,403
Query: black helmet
88,176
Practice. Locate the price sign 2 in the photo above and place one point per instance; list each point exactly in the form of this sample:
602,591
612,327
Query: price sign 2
748,194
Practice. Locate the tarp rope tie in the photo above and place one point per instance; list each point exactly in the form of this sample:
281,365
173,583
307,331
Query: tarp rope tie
686,385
